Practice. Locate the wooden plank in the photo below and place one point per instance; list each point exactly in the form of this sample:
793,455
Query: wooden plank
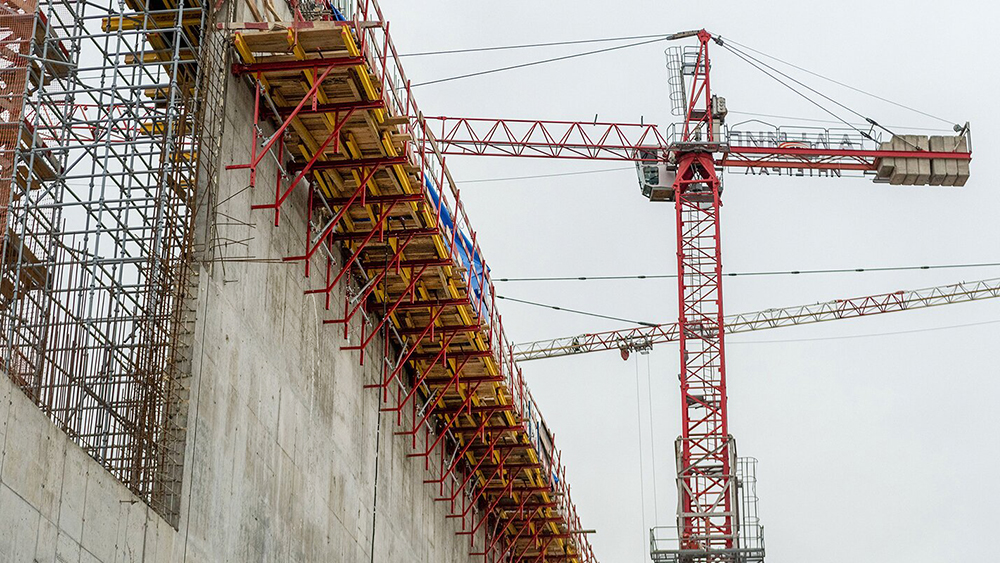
261,25
395,120
270,8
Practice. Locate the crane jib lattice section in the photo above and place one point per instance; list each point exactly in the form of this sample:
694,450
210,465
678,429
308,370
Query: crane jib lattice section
332,106
642,338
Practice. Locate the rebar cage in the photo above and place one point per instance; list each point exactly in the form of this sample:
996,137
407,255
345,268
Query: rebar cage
98,168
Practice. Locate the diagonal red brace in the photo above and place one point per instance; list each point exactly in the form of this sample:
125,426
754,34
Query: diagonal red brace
333,136
432,409
409,352
357,252
443,431
388,313
332,224
479,431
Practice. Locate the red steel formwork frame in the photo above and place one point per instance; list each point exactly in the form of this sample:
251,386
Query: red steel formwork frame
491,462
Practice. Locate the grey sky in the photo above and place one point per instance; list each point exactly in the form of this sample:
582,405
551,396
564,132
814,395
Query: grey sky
880,449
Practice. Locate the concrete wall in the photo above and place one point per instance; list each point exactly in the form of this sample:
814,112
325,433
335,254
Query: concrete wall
281,436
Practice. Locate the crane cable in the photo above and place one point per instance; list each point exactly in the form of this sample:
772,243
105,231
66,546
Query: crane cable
652,436
575,311
799,82
753,61
646,323
653,38
813,120
759,65
642,472
541,62
532,45
838,83
758,273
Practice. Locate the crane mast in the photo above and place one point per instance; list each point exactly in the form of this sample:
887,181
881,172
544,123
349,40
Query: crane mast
706,453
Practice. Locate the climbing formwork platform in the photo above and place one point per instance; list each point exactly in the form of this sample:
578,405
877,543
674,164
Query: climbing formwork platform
335,110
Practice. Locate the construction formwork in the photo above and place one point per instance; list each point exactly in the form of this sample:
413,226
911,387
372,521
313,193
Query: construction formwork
334,109
112,125
100,137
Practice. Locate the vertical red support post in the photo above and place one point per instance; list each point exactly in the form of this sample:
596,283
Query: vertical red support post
255,130
705,473
309,218
277,181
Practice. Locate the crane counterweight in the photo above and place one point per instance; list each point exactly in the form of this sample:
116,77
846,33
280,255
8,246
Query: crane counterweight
923,171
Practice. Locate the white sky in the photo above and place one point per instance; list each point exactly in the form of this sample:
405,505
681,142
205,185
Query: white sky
870,449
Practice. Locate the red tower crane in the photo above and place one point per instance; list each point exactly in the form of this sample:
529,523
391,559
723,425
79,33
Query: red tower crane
683,165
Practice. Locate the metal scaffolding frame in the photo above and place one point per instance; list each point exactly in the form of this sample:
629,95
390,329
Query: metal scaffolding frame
100,134
110,132
665,541
333,107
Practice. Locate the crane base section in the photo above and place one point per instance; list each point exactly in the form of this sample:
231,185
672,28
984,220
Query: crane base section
665,545
714,556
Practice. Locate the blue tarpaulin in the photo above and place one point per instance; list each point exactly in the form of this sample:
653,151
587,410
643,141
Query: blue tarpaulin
337,16
462,243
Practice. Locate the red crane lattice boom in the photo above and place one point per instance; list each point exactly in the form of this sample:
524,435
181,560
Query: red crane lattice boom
642,338
636,142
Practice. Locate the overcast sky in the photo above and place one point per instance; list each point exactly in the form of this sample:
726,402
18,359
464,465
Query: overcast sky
871,449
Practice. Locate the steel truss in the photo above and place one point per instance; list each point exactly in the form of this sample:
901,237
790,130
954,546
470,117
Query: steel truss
641,338
706,481
645,142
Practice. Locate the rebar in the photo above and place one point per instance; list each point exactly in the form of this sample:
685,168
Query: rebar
101,123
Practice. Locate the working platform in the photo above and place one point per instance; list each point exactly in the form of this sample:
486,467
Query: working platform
332,105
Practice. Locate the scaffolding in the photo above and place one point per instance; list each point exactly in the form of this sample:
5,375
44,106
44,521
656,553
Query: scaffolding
334,109
112,117
99,137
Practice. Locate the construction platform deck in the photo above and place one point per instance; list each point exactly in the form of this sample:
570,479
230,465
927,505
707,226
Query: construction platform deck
332,104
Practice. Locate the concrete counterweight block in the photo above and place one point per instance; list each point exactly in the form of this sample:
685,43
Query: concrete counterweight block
924,171
947,172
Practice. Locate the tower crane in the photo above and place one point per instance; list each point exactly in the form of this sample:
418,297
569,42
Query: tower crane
683,164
